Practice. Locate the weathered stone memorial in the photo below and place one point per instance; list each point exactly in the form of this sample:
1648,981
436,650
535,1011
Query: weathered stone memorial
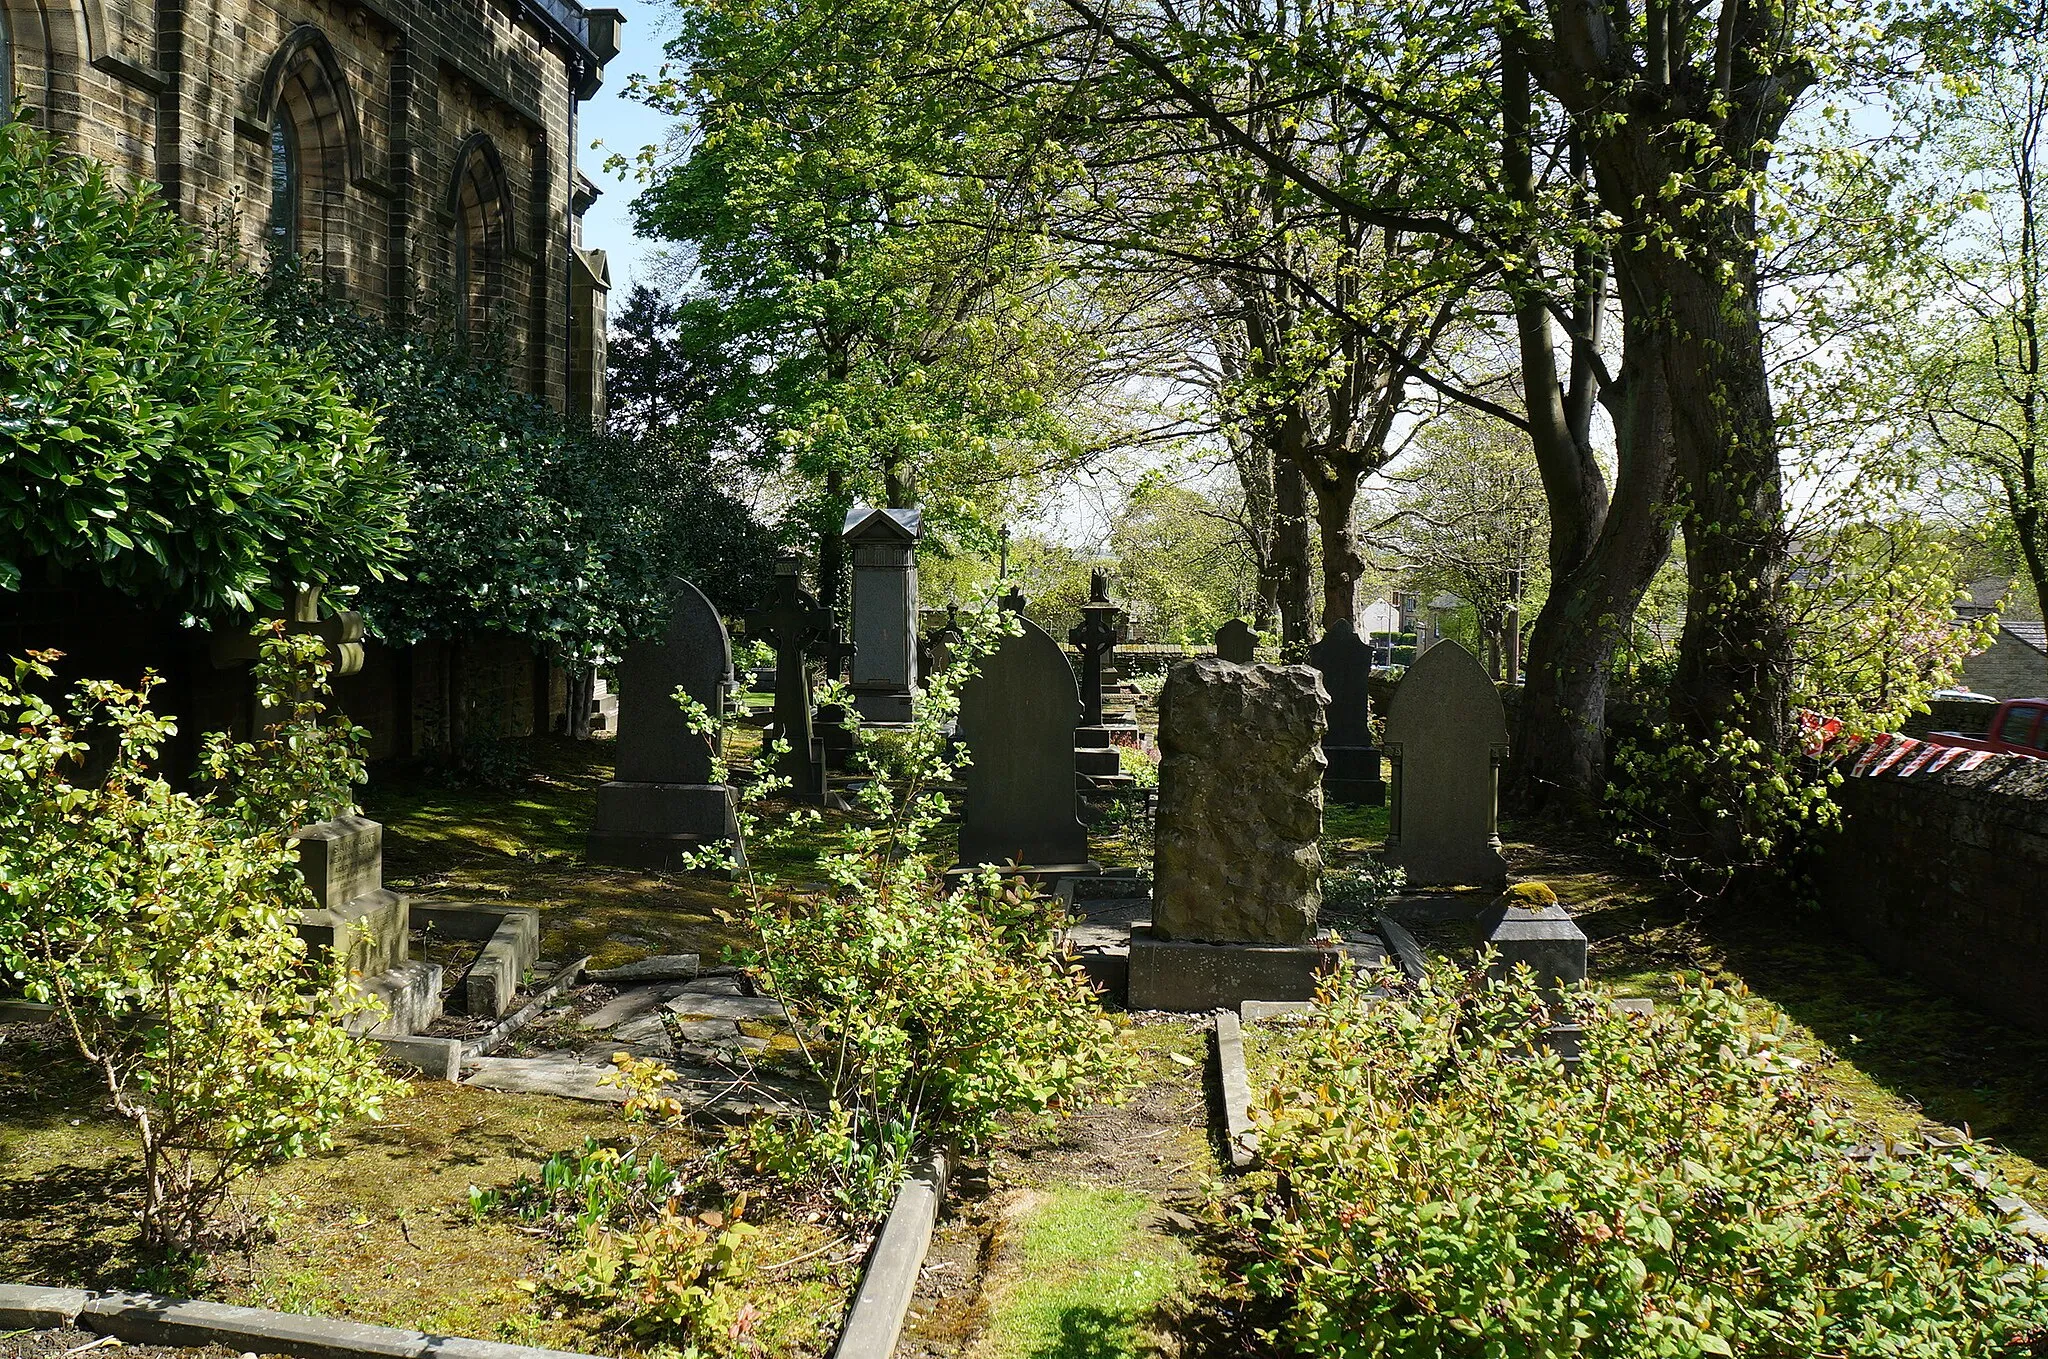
1237,643
1447,736
795,624
1017,718
883,545
1237,870
1095,758
661,803
940,642
1345,660
1530,925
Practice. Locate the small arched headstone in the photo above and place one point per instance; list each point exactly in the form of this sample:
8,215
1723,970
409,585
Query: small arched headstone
1017,717
1447,736
1345,660
1236,642
662,803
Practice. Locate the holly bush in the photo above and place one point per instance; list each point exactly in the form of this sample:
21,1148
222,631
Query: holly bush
153,433
1445,1185
162,926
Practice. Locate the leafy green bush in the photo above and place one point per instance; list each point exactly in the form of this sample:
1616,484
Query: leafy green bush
525,523
153,433
162,926
1446,1186
928,1010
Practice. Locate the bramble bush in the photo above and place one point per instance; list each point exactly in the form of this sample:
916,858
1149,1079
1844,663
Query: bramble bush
1446,1186
162,926
927,1009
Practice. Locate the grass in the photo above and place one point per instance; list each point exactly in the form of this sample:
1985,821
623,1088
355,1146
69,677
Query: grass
1086,1275
377,1229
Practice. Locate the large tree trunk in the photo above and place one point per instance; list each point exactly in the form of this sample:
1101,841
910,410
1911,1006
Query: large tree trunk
1343,564
1560,740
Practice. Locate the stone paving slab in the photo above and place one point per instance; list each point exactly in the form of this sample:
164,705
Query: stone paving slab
667,967
629,1004
693,1006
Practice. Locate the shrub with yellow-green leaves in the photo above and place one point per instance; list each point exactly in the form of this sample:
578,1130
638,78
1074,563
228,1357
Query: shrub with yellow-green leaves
1447,1186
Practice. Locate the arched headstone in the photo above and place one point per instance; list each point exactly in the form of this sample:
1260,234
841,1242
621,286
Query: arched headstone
1237,643
1017,717
1447,736
662,802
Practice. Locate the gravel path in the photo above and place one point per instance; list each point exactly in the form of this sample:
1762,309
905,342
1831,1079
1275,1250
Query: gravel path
85,1345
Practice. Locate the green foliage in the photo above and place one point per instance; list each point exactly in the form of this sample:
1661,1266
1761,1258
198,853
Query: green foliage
928,1010
626,1243
163,927
1449,1187
524,523
1180,562
152,432
1717,813
1363,882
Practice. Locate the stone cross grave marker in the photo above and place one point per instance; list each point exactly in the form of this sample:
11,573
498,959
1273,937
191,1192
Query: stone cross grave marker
662,803
1095,757
884,551
1345,660
343,633
1017,717
1237,643
1447,735
794,624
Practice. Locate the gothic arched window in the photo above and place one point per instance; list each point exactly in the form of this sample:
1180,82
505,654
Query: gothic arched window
482,235
283,236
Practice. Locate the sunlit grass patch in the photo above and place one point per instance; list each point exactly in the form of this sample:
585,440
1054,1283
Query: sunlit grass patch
1085,1273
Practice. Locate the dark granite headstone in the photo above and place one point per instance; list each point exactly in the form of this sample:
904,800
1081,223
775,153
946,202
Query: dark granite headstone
1353,775
1237,643
662,803
1017,717
883,545
1447,736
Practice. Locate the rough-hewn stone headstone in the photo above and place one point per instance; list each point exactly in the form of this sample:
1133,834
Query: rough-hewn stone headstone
1236,857
1017,717
1237,643
662,803
1447,735
883,546
1345,661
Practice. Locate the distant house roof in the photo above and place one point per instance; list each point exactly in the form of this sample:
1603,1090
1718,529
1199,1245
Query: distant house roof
2034,635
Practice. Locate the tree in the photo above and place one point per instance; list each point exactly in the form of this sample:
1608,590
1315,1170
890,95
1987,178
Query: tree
153,432
1179,563
1472,519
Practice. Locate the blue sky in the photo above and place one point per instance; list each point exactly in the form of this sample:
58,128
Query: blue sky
622,126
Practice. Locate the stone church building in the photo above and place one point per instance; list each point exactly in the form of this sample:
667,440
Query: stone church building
416,153
420,157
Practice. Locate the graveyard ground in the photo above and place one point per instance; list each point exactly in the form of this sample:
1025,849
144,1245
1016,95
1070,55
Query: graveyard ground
1098,1234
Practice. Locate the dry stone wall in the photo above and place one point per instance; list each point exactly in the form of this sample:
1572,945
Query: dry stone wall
1944,876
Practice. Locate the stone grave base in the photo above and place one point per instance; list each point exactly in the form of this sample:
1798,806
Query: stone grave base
368,931
655,825
1353,776
884,707
1042,874
1184,975
408,1000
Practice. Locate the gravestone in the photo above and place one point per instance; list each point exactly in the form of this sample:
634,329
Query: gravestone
662,803
1095,757
1447,736
1345,660
1237,865
884,552
831,723
1017,717
795,624
1237,643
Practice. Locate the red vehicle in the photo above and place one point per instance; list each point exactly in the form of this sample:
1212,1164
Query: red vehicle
2019,727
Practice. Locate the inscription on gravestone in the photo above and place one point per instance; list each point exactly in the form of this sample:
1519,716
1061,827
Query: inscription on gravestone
1447,736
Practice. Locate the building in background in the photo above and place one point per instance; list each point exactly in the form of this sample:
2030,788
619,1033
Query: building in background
418,155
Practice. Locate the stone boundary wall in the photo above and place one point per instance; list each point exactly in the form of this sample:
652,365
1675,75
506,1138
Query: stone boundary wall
1944,877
